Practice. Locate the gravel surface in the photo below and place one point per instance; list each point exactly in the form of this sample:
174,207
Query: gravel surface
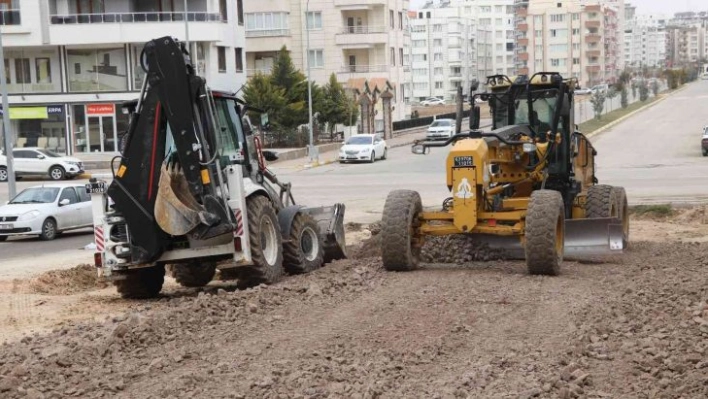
635,327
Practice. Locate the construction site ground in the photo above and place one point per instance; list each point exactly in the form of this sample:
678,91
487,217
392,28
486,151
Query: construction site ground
634,326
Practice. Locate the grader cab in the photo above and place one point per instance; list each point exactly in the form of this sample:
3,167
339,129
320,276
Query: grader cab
527,187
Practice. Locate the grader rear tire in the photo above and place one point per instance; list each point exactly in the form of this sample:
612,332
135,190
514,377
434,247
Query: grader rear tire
399,247
601,202
545,233
623,211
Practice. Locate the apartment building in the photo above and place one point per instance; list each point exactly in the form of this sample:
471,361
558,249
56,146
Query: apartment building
645,39
574,38
495,19
70,64
686,44
444,52
360,41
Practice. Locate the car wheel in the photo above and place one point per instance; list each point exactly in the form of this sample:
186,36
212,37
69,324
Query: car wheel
3,238
56,173
373,157
49,230
385,154
3,173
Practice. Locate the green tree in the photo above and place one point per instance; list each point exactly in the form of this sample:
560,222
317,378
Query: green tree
643,92
625,77
623,98
336,107
260,93
655,88
634,90
598,104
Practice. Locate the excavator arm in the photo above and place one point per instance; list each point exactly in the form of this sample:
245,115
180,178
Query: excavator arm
164,191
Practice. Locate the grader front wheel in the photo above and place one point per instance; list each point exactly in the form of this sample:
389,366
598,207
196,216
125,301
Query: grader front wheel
545,233
400,250
620,197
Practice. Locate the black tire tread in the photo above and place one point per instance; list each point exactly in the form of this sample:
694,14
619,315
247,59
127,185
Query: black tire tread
400,209
261,272
545,206
294,259
599,202
5,169
141,283
194,275
623,210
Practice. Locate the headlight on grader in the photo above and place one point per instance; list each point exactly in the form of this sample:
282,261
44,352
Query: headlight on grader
529,148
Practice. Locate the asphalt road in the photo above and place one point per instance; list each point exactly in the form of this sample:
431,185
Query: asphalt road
656,154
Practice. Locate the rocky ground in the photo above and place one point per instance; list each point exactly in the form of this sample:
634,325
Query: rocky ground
635,326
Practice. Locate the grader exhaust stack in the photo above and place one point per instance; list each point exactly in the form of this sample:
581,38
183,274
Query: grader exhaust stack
527,187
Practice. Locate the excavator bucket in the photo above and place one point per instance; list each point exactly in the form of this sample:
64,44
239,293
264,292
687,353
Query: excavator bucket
594,237
176,211
330,220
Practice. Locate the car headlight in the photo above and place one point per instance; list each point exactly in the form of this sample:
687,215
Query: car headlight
29,215
365,150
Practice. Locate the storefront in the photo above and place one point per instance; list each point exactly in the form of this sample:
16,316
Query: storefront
40,126
97,127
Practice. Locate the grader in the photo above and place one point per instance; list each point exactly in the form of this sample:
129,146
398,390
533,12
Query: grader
527,186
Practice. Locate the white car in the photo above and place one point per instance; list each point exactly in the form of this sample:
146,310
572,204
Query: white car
584,91
441,129
46,211
41,161
363,147
432,101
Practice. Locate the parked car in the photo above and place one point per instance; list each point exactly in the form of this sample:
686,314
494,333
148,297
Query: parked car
704,141
584,91
363,147
432,101
46,211
441,129
41,162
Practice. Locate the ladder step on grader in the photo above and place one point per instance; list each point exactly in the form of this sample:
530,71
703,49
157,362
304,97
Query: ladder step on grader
527,186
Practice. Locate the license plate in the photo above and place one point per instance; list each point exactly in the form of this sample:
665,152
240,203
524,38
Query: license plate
99,187
463,161
6,226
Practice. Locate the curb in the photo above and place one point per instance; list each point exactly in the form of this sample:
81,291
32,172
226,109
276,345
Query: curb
629,115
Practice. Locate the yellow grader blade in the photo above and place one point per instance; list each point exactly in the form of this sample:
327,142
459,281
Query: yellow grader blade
176,211
583,238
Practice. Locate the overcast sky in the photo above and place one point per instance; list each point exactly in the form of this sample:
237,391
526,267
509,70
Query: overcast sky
646,6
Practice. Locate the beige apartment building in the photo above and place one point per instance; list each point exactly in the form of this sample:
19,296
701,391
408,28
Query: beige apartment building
574,38
360,41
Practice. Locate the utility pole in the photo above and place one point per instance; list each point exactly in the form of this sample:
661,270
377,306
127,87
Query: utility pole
311,151
6,128
186,27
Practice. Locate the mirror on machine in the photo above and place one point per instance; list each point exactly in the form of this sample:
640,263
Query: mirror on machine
474,118
419,149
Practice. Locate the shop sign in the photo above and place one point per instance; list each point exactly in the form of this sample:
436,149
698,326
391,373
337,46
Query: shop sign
55,110
100,109
28,112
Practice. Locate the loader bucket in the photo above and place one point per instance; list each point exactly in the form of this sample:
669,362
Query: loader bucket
176,211
593,237
330,219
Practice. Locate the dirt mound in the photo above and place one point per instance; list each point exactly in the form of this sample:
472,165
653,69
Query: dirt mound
65,282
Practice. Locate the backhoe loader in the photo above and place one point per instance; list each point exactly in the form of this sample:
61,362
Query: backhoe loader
192,190
526,187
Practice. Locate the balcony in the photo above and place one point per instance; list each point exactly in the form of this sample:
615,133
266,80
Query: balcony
593,8
593,53
361,36
523,42
523,56
364,68
134,27
522,12
522,27
252,72
523,71
359,4
593,24
267,33
593,38
593,68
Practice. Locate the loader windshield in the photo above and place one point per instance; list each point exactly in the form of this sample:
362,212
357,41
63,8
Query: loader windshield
231,135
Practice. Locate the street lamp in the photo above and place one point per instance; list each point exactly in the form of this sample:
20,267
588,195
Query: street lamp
7,131
311,150
186,26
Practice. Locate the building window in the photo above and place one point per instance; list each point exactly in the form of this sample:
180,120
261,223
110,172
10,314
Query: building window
390,19
239,10
576,61
314,20
223,10
10,12
400,20
400,55
43,70
22,70
557,17
221,51
316,58
239,59
97,69
393,56
263,24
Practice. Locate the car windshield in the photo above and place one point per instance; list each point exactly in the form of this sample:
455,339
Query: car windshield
49,153
440,123
359,140
37,195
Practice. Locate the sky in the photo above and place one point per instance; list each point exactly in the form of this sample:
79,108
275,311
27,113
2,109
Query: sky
645,6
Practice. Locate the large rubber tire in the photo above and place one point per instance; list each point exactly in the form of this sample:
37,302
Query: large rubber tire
372,159
601,202
385,154
141,283
3,238
49,230
57,173
545,233
303,251
195,274
4,176
400,249
620,196
267,256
